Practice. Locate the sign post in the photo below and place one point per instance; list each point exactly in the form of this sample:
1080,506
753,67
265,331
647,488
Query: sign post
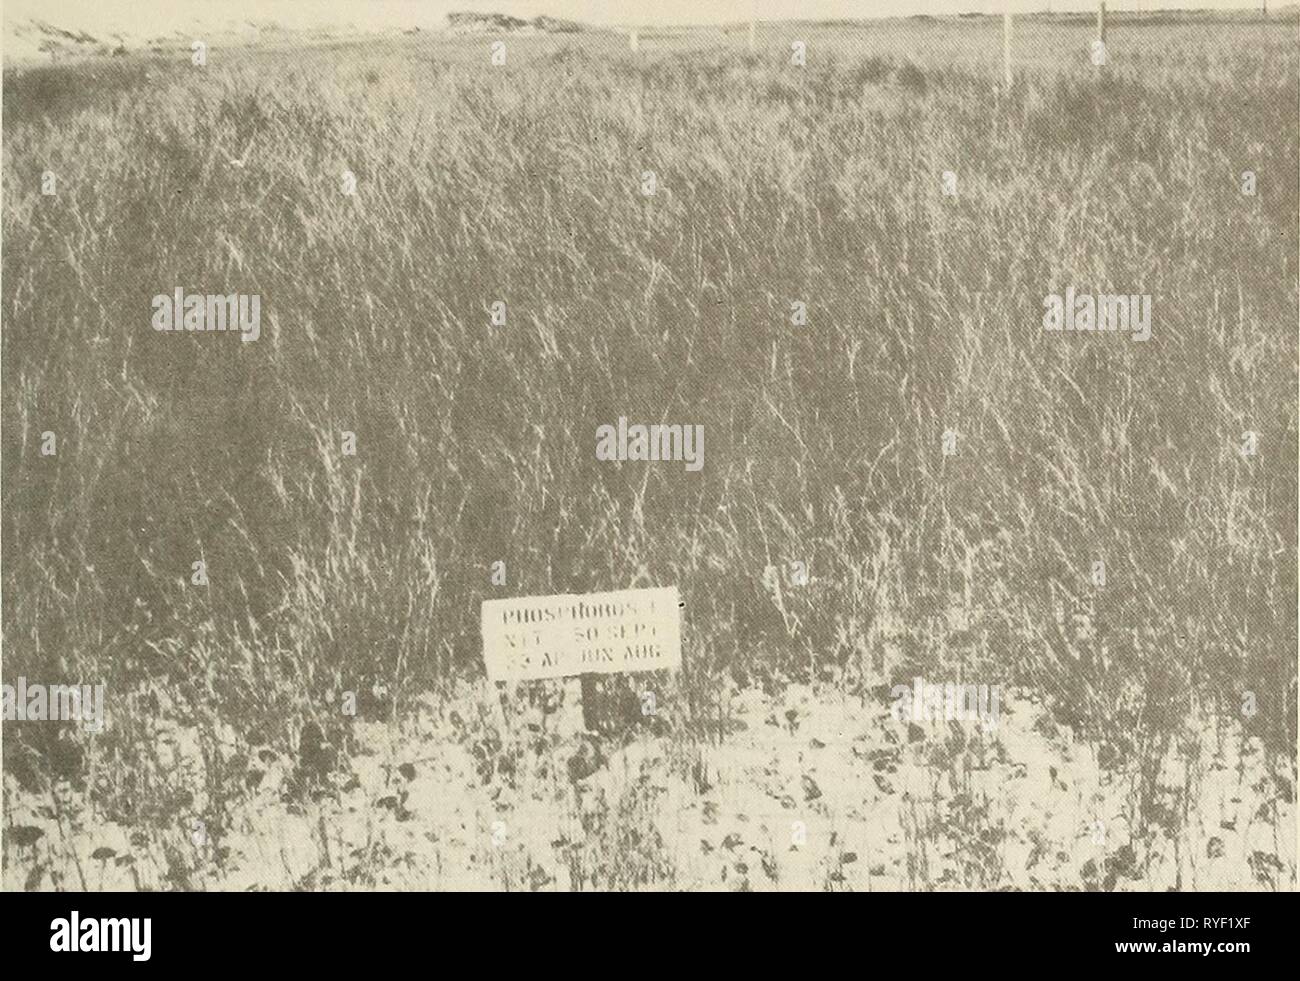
591,634
1006,48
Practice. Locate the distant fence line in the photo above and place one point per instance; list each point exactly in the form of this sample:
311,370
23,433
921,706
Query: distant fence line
1008,35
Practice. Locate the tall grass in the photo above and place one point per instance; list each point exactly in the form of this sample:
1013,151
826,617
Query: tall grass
332,573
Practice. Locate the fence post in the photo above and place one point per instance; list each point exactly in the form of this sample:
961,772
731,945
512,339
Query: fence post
753,37
632,41
1101,22
1006,47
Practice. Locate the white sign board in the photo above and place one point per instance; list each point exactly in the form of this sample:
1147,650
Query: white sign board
598,633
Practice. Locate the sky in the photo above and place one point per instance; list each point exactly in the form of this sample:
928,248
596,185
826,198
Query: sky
715,11
163,16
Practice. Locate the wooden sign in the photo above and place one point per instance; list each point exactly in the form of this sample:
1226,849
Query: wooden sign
590,633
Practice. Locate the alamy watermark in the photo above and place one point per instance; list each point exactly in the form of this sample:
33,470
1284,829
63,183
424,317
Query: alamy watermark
53,703
681,443
922,702
75,934
1104,312
209,312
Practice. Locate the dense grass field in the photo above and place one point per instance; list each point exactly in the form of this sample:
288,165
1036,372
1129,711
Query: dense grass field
330,573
